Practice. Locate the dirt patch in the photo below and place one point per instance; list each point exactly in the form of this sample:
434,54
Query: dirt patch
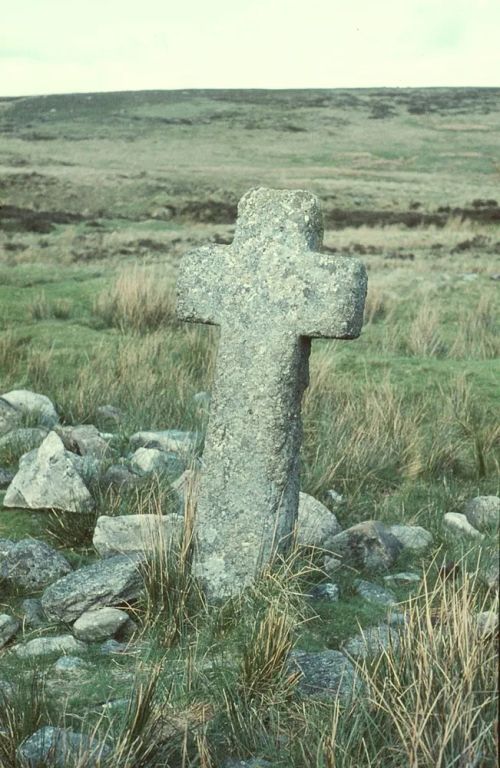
340,218
14,219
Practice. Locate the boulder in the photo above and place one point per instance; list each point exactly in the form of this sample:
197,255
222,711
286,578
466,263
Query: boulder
148,461
316,525
170,440
23,439
373,593
6,546
403,579
8,628
328,591
114,581
60,748
85,440
124,534
43,646
412,538
10,417
6,477
92,626
70,665
32,564
119,478
371,642
37,407
483,512
325,675
110,413
369,545
458,524
33,615
48,479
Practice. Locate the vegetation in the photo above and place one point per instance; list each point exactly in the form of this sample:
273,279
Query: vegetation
100,195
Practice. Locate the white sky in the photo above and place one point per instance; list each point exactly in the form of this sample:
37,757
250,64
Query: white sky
61,46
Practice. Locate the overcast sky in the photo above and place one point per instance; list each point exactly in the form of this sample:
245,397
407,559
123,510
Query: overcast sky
62,46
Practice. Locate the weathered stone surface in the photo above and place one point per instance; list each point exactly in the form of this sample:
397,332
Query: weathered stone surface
120,478
6,477
331,565
405,578
483,512
8,628
371,642
6,546
271,291
316,525
325,675
10,417
491,573
334,498
148,461
124,534
70,665
412,537
113,646
32,564
33,615
328,591
170,440
23,439
47,478
458,524
374,593
60,748
92,626
38,407
113,581
85,440
110,413
42,646
367,545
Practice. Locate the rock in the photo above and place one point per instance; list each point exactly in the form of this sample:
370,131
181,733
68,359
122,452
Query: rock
170,440
334,498
331,565
32,564
114,581
10,417
325,674
147,461
487,623
6,546
367,545
22,440
70,665
7,694
6,477
110,413
373,593
42,646
35,406
47,478
120,478
113,646
371,642
186,488
328,591
33,615
8,628
483,512
85,440
412,537
316,525
491,574
123,534
457,523
60,748
405,578
92,626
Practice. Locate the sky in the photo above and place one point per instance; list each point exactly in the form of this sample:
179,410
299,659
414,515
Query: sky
68,46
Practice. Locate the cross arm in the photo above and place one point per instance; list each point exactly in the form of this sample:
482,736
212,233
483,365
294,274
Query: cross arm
199,285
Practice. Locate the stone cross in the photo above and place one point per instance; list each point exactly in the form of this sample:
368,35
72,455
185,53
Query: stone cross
271,291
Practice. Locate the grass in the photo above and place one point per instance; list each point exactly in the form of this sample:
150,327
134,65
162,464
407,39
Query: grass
403,422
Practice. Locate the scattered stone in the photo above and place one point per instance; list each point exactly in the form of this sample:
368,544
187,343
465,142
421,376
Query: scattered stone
113,646
367,545
412,537
70,665
483,512
169,440
457,523
42,646
47,478
6,477
491,574
403,579
120,478
331,565
148,461
271,291
110,413
325,675
334,498
23,439
124,534
374,593
85,440
36,406
92,626
109,582
316,525
371,642
487,623
32,564
59,748
328,591
33,615
10,417
6,546
8,628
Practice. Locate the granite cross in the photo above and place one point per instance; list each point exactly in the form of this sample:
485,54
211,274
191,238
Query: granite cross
270,291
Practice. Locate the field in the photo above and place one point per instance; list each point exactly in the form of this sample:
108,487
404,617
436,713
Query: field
100,197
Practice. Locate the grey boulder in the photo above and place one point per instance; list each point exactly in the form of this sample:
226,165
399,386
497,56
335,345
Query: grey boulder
8,628
43,646
92,626
483,512
114,581
369,545
149,461
371,642
373,593
60,748
48,479
10,417
23,439
458,525
32,564
325,675
412,538
124,534
170,440
37,407
6,477
316,525
85,440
